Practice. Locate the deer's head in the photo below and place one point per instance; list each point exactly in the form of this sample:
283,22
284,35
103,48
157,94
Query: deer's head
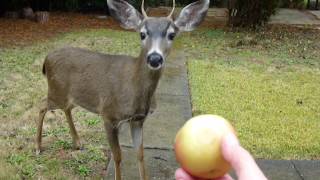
157,34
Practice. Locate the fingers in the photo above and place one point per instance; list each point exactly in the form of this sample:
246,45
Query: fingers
240,159
182,175
226,177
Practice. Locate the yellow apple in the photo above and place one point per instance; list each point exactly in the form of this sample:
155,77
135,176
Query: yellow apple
198,146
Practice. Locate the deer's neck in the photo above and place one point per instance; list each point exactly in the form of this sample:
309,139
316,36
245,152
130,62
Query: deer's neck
145,84
147,78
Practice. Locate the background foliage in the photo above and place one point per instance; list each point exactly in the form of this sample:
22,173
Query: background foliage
250,13
64,5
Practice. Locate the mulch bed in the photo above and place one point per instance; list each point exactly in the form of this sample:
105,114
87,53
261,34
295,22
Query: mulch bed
21,32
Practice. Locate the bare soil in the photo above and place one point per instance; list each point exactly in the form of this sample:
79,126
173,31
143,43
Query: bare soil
22,32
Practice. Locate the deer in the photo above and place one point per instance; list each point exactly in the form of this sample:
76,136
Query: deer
119,88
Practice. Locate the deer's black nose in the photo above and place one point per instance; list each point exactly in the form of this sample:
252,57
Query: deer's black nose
154,60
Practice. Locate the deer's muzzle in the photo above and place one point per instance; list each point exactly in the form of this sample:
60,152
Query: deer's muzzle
155,61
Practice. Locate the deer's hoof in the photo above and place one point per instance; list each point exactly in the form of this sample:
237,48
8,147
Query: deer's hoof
77,146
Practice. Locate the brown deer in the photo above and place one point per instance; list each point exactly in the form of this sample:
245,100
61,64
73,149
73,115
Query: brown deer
118,87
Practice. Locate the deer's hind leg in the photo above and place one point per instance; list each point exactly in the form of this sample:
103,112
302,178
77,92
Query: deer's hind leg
73,131
42,113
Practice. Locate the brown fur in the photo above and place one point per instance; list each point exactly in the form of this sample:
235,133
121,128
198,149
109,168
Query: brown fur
115,86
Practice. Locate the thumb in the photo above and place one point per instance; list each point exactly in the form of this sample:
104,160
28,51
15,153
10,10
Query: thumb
240,159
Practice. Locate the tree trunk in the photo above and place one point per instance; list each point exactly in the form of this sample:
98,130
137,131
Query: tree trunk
42,16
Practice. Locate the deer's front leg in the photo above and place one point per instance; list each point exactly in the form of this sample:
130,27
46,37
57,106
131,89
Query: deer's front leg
137,139
112,135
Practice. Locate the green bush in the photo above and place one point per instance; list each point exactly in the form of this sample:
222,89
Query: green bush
253,13
148,3
55,5
12,5
72,5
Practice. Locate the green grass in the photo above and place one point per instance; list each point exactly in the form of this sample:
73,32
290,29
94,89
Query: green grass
92,121
270,93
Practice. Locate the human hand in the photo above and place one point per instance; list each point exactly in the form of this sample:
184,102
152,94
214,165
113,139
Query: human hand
239,158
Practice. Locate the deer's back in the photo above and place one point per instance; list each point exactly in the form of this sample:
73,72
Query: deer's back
86,78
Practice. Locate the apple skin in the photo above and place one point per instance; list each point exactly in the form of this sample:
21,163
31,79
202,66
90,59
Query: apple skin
198,146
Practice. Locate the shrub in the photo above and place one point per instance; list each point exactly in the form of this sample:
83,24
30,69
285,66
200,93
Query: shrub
72,5
253,13
12,5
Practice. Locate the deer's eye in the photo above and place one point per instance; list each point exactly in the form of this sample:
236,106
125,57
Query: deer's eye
143,35
171,36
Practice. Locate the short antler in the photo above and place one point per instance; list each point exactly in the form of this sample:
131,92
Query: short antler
173,6
143,11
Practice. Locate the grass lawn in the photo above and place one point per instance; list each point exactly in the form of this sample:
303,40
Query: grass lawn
266,84
270,92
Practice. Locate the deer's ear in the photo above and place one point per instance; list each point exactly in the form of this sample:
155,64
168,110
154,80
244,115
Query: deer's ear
192,15
125,14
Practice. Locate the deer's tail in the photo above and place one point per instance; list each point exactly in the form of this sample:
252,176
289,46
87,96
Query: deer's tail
44,72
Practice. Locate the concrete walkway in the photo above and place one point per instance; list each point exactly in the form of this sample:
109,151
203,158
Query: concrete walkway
295,17
174,108
316,14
